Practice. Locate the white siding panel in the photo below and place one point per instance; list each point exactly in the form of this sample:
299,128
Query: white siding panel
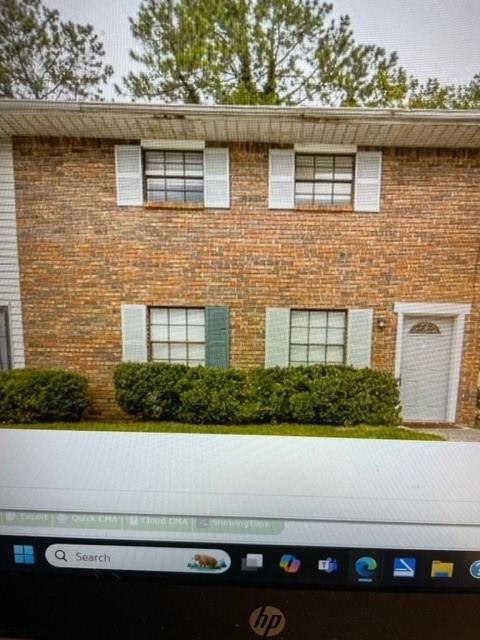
9,267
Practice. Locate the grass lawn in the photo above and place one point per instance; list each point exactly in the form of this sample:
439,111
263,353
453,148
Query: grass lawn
382,433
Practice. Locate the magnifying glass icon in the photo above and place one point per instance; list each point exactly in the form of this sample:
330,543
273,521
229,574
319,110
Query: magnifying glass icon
60,555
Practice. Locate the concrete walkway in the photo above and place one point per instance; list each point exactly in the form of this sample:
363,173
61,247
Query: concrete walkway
456,434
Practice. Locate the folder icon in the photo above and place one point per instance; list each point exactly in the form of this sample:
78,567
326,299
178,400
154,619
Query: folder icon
442,569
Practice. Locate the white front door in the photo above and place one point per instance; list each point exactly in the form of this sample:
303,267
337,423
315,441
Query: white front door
425,367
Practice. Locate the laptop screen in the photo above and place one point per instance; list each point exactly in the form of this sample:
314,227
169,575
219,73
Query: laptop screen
239,298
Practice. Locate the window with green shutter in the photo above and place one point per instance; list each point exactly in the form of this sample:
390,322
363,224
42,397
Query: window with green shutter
177,335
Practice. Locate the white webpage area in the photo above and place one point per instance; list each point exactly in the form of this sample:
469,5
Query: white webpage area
307,491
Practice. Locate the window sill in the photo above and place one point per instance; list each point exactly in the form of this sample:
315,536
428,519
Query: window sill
325,208
177,206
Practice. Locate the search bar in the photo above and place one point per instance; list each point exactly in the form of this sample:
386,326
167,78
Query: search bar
129,558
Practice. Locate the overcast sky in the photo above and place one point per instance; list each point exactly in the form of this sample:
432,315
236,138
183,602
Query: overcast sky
437,38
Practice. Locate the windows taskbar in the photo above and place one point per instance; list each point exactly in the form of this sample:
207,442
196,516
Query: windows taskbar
256,565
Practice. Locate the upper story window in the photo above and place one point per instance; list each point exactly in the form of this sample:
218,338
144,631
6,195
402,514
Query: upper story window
324,179
175,176
317,337
5,354
177,335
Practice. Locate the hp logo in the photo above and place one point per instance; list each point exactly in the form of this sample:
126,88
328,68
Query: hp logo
267,621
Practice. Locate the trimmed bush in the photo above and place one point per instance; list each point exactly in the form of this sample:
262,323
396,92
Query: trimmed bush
322,394
42,395
151,390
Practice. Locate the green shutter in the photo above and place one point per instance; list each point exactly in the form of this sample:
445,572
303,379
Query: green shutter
217,335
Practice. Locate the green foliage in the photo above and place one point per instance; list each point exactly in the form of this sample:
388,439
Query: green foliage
333,395
42,395
42,57
255,52
149,390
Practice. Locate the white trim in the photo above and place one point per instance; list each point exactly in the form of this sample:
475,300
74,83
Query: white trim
432,308
311,147
458,311
10,293
184,145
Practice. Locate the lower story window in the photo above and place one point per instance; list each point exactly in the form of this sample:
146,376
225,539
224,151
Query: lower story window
5,355
177,335
317,337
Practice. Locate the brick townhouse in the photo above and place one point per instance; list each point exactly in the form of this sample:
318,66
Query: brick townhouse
243,236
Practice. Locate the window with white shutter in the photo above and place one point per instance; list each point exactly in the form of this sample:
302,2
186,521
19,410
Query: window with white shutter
128,165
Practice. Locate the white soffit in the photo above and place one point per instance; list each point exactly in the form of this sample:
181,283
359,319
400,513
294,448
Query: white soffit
262,124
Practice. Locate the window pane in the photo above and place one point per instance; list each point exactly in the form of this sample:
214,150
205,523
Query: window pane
298,353
341,199
194,185
324,168
299,318
159,333
335,355
318,335
336,336
178,332
304,160
178,316
194,196
175,184
299,335
304,173
336,319
195,157
193,171
159,316
155,184
343,168
160,351
316,355
305,188
196,333
178,351
174,170
196,352
156,196
174,157
342,188
324,189
196,316
318,318
177,196
299,199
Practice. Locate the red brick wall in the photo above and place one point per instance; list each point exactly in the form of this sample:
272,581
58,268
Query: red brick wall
82,256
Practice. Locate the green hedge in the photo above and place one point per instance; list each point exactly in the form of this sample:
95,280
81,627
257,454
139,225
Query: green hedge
334,395
42,395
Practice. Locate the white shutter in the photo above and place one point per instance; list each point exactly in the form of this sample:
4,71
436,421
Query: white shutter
134,333
281,179
128,165
217,178
277,337
359,337
368,180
